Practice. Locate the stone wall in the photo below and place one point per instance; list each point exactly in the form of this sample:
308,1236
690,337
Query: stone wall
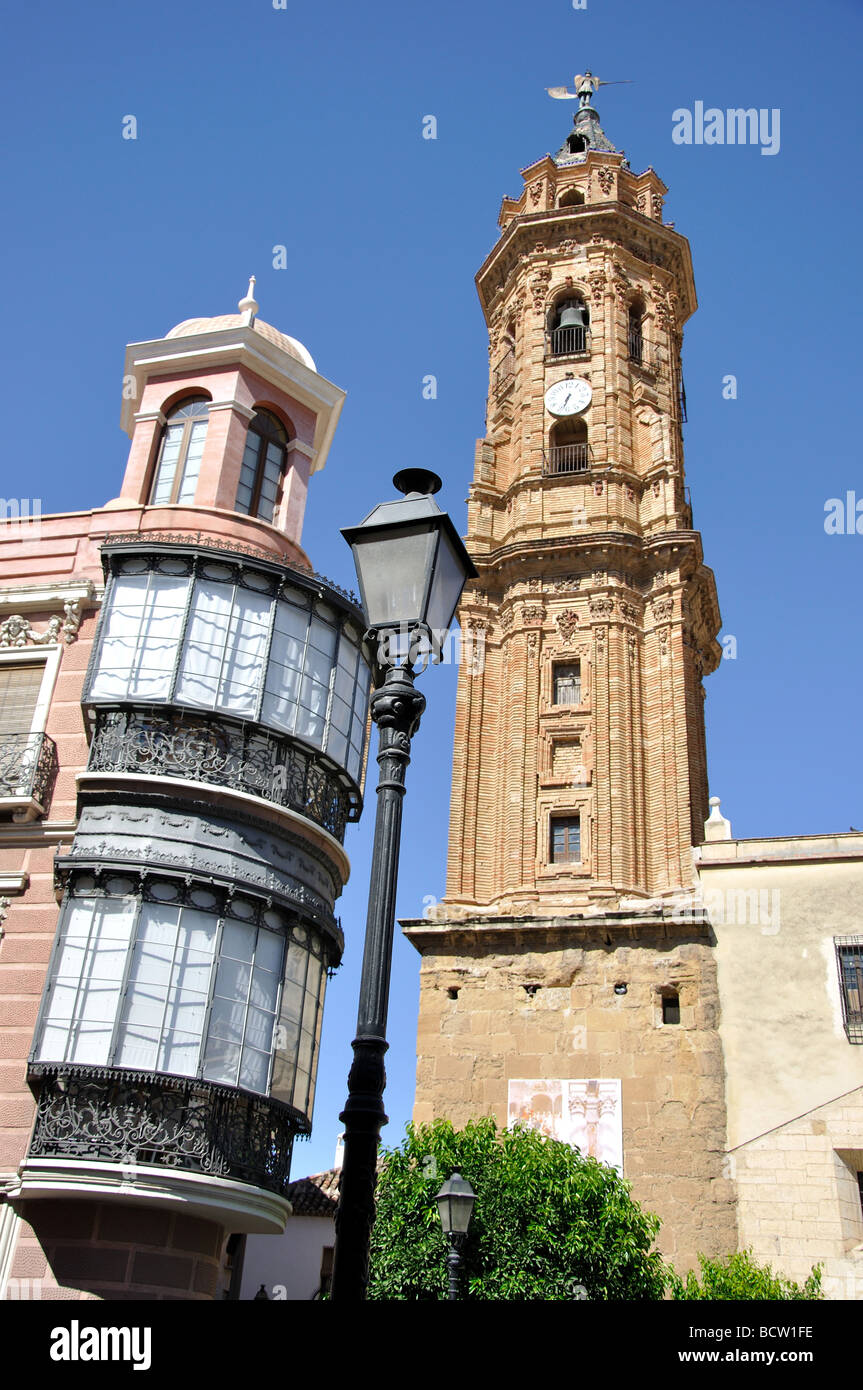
502,1000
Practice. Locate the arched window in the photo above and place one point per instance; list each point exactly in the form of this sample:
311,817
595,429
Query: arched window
569,451
636,335
570,321
572,198
504,372
263,466
180,452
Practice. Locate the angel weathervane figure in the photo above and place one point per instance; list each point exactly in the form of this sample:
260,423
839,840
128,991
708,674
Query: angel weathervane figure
585,85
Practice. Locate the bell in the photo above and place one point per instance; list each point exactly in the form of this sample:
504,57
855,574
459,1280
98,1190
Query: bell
572,315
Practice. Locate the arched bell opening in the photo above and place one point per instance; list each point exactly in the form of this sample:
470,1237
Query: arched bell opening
568,447
569,326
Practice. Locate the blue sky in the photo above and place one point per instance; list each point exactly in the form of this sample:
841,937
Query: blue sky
303,127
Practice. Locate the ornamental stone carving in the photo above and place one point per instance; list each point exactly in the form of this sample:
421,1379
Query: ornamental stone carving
532,616
666,311
16,631
532,645
539,286
663,609
597,285
601,607
536,191
630,612
567,623
605,179
567,581
621,284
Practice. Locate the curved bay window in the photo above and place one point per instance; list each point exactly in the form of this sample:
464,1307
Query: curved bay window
180,452
569,325
191,631
186,980
264,460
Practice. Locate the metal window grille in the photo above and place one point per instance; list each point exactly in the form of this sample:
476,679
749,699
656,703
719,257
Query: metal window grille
849,958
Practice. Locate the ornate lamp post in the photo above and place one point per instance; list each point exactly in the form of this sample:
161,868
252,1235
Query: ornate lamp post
455,1208
411,567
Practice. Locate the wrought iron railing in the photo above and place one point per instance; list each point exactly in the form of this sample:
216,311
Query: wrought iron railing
504,374
141,1118
28,766
246,758
567,458
567,342
681,398
636,347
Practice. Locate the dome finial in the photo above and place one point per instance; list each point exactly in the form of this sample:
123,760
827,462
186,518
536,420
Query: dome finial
248,306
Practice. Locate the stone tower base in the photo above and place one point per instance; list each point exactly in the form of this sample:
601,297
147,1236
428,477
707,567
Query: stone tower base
587,1005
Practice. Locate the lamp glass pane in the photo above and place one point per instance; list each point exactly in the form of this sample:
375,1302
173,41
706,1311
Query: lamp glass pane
460,1212
448,582
393,570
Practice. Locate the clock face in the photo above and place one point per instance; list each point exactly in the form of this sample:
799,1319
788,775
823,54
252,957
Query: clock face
568,397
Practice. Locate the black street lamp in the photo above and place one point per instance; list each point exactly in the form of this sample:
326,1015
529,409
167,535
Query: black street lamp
455,1208
412,567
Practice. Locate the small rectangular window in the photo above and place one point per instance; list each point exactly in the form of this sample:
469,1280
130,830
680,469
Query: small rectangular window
565,836
671,1008
567,683
849,952
19,694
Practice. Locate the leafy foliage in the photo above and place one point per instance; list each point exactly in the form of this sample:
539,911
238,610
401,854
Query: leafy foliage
739,1277
548,1223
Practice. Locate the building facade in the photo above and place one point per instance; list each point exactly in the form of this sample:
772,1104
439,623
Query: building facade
573,976
184,707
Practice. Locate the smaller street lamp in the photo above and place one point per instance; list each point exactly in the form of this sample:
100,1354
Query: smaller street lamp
455,1208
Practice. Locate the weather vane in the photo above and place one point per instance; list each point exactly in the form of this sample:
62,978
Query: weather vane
585,85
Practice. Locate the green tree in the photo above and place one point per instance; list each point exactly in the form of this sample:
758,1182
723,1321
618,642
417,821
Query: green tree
548,1223
738,1276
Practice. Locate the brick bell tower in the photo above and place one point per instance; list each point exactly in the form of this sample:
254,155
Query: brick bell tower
563,981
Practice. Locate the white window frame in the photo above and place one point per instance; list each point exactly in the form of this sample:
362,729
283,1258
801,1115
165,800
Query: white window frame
27,807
